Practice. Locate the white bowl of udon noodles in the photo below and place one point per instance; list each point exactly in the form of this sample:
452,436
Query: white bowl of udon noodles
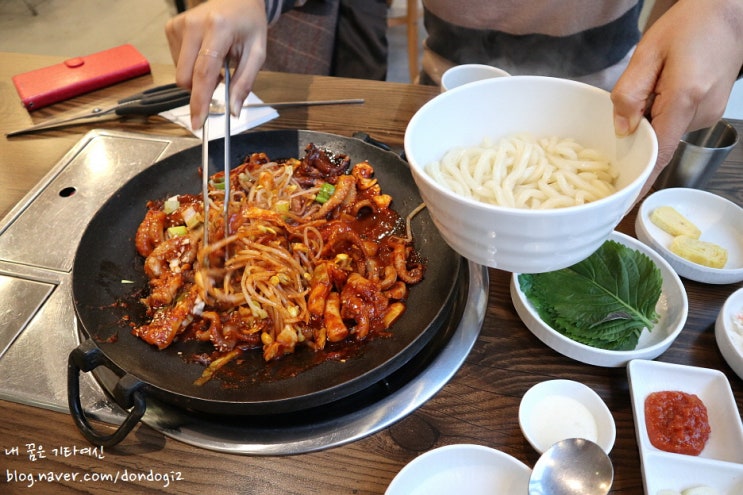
488,157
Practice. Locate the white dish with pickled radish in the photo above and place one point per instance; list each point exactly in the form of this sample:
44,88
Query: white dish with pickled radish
729,331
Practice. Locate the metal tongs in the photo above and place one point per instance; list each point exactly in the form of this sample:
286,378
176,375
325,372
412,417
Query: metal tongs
205,168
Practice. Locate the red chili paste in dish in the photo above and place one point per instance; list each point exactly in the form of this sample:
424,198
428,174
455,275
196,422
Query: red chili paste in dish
677,422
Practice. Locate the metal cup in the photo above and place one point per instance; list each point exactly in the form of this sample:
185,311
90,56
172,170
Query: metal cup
698,155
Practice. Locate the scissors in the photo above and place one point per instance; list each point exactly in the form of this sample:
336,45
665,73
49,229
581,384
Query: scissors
149,102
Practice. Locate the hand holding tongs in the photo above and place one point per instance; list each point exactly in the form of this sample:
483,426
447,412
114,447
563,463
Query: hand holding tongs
149,102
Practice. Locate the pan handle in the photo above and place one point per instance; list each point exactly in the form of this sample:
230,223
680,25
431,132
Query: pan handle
368,139
128,393
379,144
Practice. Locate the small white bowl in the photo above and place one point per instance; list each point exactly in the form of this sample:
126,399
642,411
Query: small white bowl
459,75
515,239
461,468
673,308
556,410
729,337
720,220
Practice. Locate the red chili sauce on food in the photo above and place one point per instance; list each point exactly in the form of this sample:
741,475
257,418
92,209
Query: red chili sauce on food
677,422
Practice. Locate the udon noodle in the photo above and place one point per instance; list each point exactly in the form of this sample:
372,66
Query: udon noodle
315,254
521,171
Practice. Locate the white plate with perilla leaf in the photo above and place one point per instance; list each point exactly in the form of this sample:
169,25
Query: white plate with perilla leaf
621,303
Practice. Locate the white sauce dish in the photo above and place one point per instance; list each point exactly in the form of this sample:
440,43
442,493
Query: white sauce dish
555,410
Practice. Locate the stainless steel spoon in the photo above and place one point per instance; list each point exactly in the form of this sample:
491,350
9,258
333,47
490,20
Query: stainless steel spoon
218,108
572,467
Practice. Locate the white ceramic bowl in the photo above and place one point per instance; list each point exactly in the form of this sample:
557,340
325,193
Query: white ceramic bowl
462,468
728,335
556,410
519,240
673,308
720,220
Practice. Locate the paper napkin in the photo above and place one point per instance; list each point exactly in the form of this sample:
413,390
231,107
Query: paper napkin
249,117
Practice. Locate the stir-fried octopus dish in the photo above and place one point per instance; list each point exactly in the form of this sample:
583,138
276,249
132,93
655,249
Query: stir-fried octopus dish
314,254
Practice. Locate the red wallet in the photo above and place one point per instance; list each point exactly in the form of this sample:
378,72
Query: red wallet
41,87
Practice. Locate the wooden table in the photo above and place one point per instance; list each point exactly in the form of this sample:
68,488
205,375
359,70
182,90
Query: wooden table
480,405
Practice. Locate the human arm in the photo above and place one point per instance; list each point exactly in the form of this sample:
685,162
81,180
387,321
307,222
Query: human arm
682,72
658,9
202,37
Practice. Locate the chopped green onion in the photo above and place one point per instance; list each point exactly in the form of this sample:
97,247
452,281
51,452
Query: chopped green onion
171,204
325,192
218,183
177,231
